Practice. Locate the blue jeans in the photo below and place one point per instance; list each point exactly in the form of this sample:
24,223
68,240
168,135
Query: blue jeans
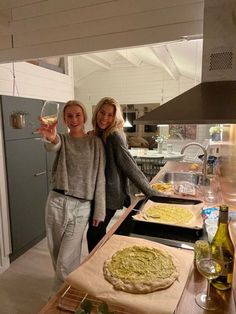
66,220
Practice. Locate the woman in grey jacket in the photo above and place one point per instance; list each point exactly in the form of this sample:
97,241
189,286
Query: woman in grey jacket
108,124
78,179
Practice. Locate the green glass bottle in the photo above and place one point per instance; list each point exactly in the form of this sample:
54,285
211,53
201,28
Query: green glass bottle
223,250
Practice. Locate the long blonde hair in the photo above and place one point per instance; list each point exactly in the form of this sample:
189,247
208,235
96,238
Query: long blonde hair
118,122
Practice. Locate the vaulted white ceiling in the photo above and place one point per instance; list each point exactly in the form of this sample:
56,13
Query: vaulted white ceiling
41,28
180,58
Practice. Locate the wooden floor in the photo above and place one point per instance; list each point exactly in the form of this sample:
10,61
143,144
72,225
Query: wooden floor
26,286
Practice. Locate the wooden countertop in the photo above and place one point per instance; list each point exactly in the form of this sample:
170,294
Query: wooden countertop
195,282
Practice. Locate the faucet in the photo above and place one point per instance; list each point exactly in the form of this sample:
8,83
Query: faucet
204,167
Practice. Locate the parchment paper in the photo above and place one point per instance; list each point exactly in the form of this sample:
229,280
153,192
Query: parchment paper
195,223
89,278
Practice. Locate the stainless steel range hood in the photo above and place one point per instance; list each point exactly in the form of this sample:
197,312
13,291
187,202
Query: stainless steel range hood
213,100
206,103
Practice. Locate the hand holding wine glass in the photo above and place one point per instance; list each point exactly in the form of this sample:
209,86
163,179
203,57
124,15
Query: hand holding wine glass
49,119
210,269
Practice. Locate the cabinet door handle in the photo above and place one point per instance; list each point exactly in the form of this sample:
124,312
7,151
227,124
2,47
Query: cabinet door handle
39,173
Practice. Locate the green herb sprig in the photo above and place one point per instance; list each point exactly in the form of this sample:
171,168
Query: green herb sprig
86,307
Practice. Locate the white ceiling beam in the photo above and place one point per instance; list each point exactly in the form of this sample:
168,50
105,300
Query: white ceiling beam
130,57
165,58
98,61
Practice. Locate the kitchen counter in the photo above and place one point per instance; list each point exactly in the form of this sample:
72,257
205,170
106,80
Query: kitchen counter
155,154
195,282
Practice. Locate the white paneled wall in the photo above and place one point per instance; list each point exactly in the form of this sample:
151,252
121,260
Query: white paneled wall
35,82
130,85
34,29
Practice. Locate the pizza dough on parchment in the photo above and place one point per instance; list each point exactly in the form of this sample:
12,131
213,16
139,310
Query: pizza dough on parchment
89,277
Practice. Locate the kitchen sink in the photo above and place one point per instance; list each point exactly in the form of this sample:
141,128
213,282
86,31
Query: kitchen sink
195,178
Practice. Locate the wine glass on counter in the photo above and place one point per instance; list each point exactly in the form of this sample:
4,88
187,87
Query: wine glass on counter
49,114
210,268
211,191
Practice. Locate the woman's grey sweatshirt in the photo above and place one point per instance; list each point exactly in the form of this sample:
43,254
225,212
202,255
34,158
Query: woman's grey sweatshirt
120,166
79,169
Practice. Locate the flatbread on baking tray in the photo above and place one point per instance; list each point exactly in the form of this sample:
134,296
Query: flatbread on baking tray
179,215
168,213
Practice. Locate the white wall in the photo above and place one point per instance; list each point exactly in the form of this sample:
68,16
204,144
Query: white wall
130,85
5,243
33,81
135,85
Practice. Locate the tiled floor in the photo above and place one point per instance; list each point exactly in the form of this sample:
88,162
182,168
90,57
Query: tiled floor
26,286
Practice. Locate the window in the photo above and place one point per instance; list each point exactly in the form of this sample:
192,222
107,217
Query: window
150,128
183,131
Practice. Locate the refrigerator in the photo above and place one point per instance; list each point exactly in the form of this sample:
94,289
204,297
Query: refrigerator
28,169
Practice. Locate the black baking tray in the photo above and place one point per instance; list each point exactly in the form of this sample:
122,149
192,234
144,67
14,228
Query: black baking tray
173,200
132,227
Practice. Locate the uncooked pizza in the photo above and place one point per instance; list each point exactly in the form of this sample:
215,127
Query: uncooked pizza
171,214
141,269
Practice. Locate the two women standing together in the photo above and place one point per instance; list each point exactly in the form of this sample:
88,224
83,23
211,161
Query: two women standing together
84,185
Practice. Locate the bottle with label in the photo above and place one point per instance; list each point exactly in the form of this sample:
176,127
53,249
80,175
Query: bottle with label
223,250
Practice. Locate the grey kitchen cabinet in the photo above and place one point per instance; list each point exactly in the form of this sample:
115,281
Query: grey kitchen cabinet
28,169
27,187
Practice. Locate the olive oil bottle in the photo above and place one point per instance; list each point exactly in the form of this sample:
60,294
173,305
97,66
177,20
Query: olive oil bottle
223,250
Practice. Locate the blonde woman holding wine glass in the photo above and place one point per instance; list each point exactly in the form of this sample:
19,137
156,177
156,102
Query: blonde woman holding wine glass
78,180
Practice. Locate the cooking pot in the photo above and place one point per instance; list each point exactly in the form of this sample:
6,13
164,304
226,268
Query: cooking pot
17,120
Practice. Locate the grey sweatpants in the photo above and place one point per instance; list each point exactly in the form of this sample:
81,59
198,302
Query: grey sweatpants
66,220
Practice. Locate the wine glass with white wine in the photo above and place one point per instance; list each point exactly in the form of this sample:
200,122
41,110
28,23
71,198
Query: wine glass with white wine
49,114
210,269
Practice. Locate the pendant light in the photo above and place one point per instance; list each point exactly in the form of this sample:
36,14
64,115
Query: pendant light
127,124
